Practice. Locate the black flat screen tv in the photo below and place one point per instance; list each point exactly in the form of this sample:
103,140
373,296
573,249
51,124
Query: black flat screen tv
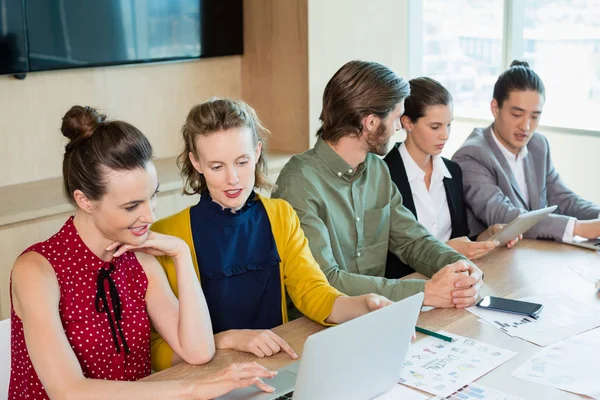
13,49
41,35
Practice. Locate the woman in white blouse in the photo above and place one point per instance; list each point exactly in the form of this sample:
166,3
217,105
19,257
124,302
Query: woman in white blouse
431,186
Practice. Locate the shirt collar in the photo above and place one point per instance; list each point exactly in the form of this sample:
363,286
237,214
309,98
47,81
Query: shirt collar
336,163
509,155
213,212
413,172
82,253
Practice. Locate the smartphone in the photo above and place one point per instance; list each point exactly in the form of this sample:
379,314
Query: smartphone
512,306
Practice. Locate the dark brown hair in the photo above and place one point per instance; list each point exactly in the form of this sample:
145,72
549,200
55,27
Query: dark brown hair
518,77
96,145
213,116
425,92
359,89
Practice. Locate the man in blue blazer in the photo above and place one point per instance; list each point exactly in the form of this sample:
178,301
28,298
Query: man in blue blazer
507,168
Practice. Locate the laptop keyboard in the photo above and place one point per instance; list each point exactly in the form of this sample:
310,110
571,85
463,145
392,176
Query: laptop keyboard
287,396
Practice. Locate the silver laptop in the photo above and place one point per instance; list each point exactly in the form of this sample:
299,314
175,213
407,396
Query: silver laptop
359,359
593,244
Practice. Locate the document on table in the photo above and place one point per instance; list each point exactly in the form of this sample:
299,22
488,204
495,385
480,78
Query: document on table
399,392
571,364
477,391
441,368
561,317
587,272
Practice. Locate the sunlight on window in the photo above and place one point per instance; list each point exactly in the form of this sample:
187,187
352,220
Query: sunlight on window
562,44
463,50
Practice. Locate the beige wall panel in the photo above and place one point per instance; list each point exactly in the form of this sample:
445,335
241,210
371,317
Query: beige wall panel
155,98
275,69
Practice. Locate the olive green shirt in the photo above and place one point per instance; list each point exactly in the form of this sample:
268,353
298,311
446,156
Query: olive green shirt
351,219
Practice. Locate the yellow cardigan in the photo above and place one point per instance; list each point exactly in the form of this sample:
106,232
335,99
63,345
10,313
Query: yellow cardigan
300,274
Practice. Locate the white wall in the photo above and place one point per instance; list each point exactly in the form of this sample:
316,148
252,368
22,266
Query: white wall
339,32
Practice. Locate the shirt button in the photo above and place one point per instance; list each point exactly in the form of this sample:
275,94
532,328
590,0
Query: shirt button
357,219
339,174
358,254
350,171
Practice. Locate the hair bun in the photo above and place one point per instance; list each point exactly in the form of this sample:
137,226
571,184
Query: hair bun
517,63
79,123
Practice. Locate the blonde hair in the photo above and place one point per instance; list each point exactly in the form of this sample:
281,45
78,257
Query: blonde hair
213,116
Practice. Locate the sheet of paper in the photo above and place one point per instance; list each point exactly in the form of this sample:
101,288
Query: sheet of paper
548,337
399,392
561,317
441,368
570,364
477,391
587,272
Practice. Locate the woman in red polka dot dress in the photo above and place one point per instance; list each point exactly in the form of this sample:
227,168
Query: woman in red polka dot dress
81,301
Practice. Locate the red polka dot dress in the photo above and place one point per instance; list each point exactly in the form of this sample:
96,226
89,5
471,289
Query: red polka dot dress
103,311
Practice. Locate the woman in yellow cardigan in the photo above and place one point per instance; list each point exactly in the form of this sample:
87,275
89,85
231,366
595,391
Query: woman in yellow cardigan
250,251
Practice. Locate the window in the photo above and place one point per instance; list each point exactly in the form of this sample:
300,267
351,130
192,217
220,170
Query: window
562,44
462,49
466,44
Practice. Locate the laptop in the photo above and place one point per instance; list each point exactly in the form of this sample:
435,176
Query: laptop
521,224
357,360
593,244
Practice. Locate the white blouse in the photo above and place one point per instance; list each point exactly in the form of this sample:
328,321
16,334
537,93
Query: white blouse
516,166
431,205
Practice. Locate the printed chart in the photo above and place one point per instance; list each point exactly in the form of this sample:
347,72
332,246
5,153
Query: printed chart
561,365
477,391
441,368
561,317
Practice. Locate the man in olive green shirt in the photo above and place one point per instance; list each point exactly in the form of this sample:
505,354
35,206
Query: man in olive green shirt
351,211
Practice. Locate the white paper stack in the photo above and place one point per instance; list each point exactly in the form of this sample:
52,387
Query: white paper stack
561,317
570,364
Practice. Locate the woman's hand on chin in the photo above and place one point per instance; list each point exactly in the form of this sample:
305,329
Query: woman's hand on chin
156,244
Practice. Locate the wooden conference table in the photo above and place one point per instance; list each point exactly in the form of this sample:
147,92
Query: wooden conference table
531,268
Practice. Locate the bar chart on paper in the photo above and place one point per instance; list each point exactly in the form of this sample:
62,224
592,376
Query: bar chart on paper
561,317
477,391
508,323
513,324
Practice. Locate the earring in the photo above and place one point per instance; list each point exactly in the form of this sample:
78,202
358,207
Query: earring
408,131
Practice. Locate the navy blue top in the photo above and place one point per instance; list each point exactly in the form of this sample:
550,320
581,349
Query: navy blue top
239,264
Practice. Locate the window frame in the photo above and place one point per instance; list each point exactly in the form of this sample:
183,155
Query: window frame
513,48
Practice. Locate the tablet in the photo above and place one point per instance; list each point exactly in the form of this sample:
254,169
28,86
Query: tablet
521,224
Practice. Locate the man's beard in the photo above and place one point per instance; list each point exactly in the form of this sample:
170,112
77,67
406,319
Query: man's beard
377,142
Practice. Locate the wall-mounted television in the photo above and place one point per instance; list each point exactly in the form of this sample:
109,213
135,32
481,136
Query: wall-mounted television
42,35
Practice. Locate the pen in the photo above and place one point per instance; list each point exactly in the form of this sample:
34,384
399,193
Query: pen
431,333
